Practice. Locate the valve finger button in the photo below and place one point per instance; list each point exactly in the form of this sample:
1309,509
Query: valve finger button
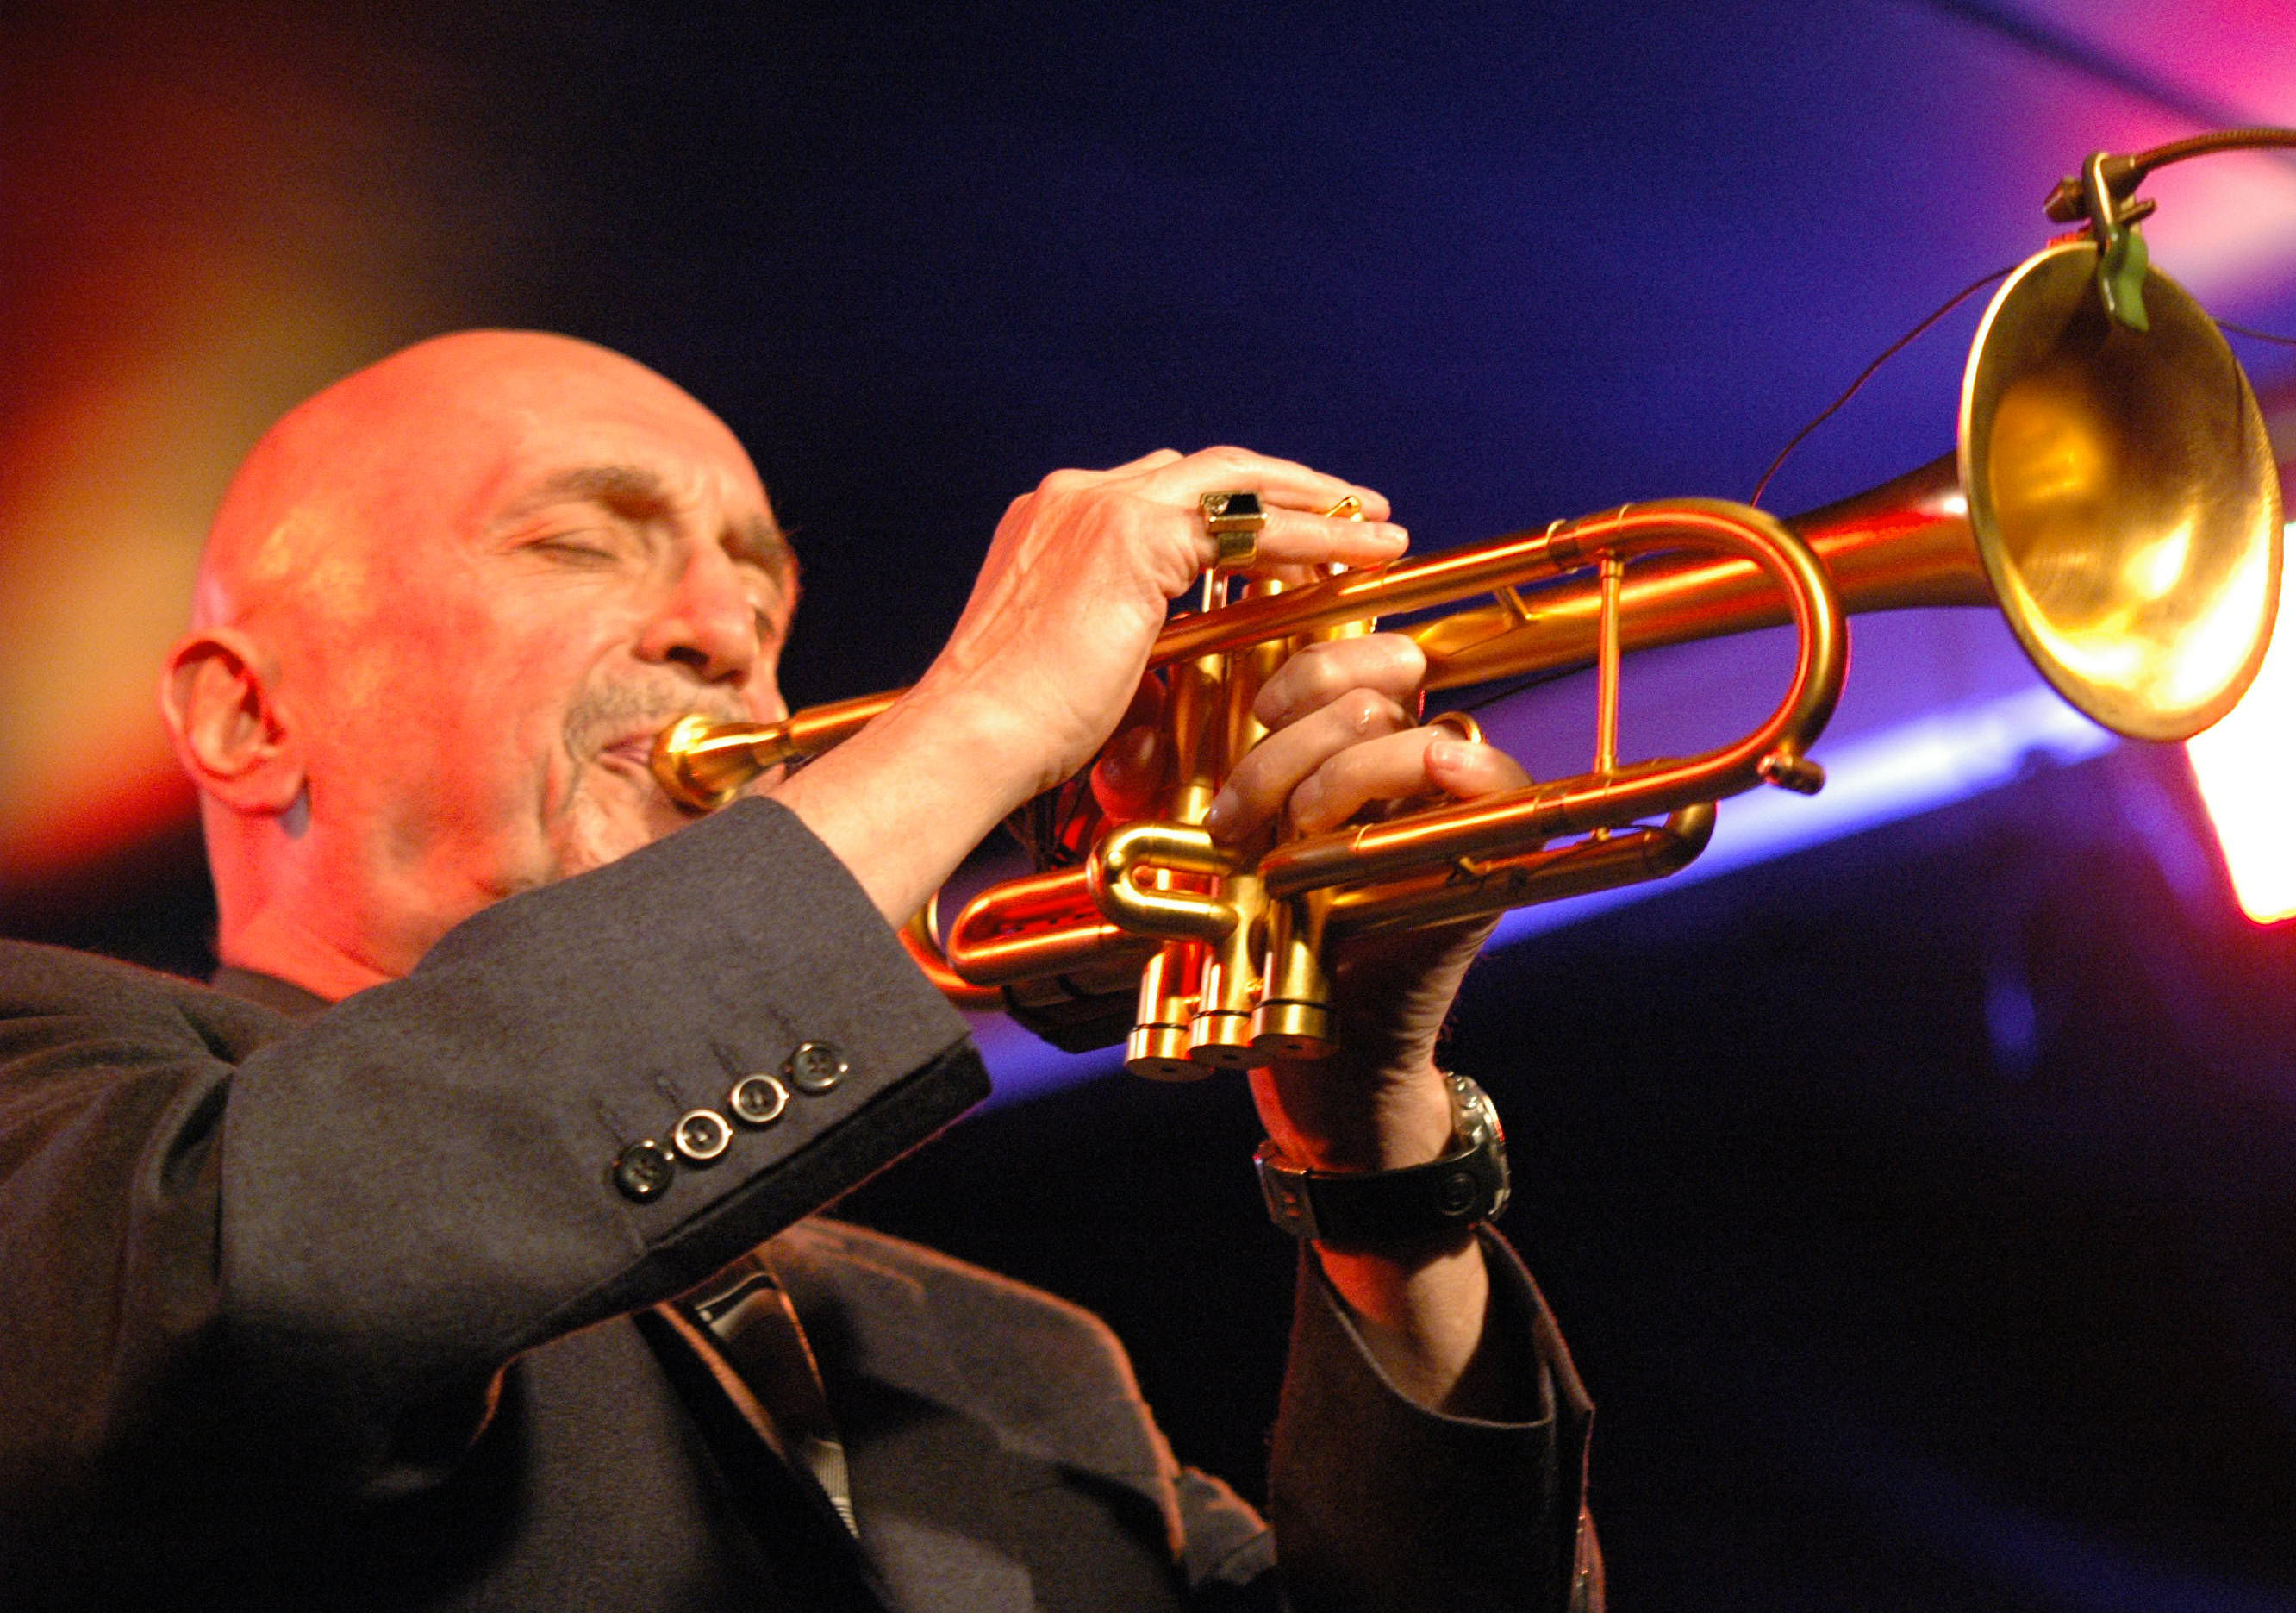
815,1067
644,1171
757,1100
702,1135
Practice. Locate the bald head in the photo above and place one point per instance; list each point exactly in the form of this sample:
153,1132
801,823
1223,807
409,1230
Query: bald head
444,605
404,446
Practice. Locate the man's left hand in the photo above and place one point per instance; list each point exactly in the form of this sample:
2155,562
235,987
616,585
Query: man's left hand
1343,739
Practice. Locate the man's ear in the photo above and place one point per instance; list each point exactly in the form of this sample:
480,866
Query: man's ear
229,732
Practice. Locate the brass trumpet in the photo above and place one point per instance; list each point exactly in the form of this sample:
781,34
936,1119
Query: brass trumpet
2113,495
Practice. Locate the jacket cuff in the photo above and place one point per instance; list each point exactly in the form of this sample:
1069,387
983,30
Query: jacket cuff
1378,1502
427,1172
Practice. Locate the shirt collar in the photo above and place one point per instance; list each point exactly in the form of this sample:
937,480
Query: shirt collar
266,991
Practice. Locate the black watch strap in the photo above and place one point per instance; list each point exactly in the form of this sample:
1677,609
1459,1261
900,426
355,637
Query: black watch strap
1389,1209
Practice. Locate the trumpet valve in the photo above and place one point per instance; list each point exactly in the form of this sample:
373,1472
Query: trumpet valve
1159,1052
1158,1046
1291,1029
1220,1040
1221,1036
1294,1017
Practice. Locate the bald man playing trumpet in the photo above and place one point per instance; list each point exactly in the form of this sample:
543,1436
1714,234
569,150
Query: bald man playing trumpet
457,1249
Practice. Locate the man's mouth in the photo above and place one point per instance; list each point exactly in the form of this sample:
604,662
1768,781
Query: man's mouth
627,749
631,754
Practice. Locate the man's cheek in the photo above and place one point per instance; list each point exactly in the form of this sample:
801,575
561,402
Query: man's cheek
601,824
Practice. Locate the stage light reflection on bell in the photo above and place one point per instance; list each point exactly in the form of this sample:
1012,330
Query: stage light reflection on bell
2246,767
2159,566
2211,654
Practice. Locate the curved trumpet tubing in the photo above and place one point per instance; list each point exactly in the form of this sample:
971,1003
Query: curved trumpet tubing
1511,825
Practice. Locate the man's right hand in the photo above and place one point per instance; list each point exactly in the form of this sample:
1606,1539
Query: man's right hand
1049,652
1057,636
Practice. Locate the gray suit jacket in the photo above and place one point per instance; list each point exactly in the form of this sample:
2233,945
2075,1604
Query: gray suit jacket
349,1311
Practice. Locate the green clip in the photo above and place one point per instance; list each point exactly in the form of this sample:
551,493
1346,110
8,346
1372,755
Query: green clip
2122,257
2120,279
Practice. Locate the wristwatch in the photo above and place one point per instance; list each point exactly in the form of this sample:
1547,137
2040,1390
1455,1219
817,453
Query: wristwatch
1388,1209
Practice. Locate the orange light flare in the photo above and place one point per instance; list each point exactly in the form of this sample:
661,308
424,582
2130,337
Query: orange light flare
210,216
2246,770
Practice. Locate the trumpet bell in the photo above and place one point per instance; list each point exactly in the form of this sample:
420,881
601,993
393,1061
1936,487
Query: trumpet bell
2123,495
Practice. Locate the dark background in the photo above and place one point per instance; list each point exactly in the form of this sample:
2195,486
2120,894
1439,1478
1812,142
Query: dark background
1918,1204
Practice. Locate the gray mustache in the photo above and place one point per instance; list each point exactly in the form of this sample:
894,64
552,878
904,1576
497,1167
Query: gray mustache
601,716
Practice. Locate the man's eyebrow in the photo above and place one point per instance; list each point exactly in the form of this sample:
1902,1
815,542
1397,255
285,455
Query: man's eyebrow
627,489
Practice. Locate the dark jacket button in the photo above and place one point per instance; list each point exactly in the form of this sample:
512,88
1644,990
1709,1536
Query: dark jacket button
645,1170
757,1100
702,1135
815,1067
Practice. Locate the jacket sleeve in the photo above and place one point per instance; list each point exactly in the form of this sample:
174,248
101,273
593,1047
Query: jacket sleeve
299,1253
1378,1503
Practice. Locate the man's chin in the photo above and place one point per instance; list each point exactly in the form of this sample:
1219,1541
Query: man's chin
598,831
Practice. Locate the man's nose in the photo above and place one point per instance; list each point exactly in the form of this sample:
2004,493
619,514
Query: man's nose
708,623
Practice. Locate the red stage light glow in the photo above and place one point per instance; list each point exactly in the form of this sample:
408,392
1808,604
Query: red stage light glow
2246,770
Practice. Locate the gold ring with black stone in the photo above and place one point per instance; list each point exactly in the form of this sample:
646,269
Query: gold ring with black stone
1235,520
